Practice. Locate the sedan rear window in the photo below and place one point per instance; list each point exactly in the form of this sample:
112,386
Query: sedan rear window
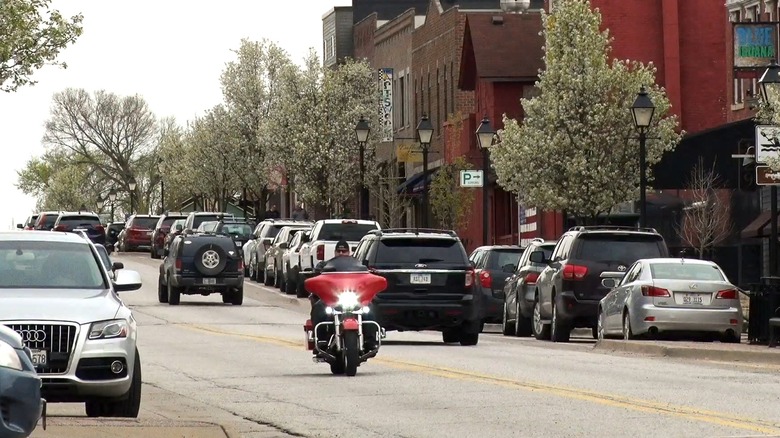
685,271
619,248
421,251
345,231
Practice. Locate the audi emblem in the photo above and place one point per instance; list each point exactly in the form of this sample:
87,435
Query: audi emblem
32,335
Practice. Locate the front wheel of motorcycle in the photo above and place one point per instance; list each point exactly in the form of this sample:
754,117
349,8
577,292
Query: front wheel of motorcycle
351,353
337,367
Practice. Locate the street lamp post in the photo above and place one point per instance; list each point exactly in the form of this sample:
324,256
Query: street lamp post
642,110
112,198
485,134
132,185
162,186
424,134
770,87
98,204
361,133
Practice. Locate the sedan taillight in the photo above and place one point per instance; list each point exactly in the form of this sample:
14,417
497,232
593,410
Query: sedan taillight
727,294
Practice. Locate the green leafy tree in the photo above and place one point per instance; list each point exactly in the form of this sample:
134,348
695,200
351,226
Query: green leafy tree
31,36
576,148
450,203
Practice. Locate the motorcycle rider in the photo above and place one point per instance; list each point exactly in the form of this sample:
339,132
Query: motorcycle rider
341,262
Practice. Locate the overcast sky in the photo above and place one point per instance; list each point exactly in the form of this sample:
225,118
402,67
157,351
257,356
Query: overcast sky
171,52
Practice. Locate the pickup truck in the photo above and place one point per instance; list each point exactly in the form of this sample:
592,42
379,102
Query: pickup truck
322,240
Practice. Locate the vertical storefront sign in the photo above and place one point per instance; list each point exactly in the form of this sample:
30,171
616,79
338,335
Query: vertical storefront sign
386,104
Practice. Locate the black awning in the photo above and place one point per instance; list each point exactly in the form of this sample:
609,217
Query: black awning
416,182
714,145
758,228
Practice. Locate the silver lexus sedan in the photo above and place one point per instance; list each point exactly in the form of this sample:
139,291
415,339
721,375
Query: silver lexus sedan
670,295
56,293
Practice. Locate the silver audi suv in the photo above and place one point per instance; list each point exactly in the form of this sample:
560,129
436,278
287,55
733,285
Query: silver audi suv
57,294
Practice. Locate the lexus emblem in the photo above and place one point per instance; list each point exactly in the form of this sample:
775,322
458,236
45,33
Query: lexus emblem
693,286
32,335
621,268
421,265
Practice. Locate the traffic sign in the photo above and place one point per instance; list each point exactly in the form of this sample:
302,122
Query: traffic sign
767,142
471,178
766,177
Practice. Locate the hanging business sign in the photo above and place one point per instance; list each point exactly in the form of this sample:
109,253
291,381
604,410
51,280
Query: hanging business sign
767,143
386,104
755,44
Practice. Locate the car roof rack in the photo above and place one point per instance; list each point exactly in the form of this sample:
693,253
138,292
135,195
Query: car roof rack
612,227
413,230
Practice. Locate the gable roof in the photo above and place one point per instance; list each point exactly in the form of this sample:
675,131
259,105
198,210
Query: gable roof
499,51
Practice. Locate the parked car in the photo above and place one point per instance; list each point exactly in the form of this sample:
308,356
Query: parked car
82,337
201,264
291,264
138,232
667,295
519,290
21,405
112,233
161,230
237,229
265,233
569,289
430,282
176,229
79,220
46,219
273,257
493,264
29,223
195,218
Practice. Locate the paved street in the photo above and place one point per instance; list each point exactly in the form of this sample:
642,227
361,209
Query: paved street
244,369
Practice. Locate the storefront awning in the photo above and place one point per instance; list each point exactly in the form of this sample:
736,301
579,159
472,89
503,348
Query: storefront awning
758,228
416,182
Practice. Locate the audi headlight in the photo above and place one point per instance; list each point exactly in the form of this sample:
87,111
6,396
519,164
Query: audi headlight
9,357
116,328
349,300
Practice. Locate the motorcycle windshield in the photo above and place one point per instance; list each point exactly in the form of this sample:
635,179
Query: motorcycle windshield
329,285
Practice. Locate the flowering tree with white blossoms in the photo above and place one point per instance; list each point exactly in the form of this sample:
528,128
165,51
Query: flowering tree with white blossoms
576,149
313,135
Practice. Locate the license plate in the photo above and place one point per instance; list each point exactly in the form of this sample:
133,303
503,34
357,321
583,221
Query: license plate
239,243
40,358
209,281
691,299
420,279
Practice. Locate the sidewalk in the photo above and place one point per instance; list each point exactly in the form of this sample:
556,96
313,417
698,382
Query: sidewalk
65,428
710,351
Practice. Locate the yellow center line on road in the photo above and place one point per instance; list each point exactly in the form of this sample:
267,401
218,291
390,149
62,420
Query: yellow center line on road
612,400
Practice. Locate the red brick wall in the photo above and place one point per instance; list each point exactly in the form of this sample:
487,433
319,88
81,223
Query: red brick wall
363,38
683,38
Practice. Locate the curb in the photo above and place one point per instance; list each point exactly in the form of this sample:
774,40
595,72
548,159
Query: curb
229,432
649,348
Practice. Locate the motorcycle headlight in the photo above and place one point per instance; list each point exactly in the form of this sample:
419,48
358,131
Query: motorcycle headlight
349,300
9,357
116,328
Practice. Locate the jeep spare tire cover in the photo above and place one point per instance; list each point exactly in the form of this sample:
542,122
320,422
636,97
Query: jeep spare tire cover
210,259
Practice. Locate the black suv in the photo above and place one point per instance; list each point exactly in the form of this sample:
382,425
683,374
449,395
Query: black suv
493,264
569,289
89,222
430,282
201,264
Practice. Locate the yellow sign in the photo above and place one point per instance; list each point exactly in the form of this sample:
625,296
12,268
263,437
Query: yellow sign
408,153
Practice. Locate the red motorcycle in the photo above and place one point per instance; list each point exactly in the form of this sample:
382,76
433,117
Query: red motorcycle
347,296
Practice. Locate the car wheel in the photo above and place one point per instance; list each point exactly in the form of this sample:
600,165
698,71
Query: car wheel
251,269
599,331
628,334
450,336
162,291
540,330
174,295
237,297
210,260
155,254
259,273
283,283
507,328
559,330
731,338
267,281
300,288
246,271
522,324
